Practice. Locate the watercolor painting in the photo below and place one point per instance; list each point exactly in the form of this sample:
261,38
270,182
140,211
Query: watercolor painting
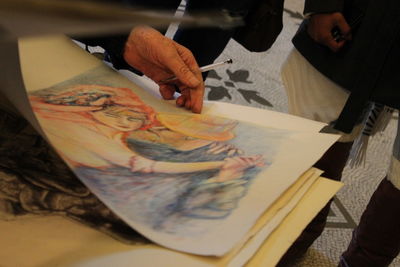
174,176
162,170
191,182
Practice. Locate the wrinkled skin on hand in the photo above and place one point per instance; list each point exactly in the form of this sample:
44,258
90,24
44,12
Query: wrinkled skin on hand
321,26
159,58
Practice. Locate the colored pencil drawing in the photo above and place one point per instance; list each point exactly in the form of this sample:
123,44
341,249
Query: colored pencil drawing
158,169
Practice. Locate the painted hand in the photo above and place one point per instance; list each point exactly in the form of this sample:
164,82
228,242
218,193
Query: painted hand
220,147
321,26
159,58
233,168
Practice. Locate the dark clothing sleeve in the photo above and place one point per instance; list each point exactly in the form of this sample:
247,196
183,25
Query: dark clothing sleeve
263,23
114,44
323,6
365,66
114,49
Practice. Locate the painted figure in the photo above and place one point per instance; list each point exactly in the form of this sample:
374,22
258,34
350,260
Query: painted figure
163,165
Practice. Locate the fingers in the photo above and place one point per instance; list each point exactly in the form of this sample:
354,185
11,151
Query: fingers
321,26
159,57
344,27
234,163
249,161
167,91
217,148
245,162
259,161
332,43
184,99
197,98
256,160
173,60
192,98
180,101
197,91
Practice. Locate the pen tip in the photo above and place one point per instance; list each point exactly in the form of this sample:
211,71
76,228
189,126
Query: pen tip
229,61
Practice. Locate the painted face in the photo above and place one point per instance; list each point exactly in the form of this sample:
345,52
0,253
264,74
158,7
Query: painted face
90,98
121,118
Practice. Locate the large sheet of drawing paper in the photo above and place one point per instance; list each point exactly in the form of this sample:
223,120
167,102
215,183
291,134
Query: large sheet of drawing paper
194,183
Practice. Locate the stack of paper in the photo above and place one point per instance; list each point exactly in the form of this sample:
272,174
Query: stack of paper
226,185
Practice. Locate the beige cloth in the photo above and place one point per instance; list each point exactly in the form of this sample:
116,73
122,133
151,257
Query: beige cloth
394,169
308,91
313,96
394,172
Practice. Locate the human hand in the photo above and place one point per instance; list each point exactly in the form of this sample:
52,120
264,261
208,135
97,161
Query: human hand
219,147
233,168
159,58
321,26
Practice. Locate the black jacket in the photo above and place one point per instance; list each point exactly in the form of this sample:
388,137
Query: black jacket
263,23
368,65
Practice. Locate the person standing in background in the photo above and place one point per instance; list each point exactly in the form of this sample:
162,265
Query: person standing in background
343,72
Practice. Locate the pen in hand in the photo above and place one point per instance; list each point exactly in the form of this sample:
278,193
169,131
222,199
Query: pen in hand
202,69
